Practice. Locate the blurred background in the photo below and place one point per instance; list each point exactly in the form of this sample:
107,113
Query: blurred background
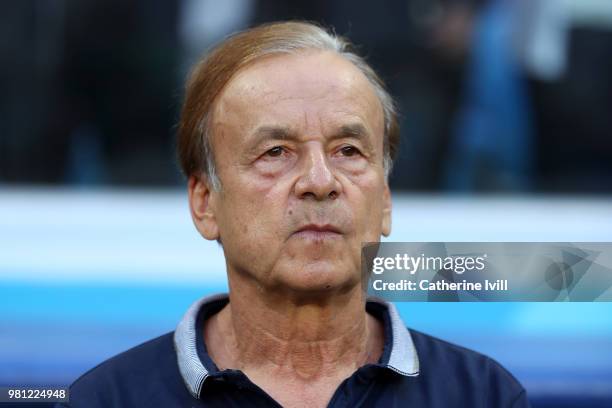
506,118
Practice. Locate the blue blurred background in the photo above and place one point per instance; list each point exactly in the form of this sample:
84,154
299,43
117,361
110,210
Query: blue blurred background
506,136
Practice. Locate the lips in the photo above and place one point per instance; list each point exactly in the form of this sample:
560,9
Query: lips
320,228
318,231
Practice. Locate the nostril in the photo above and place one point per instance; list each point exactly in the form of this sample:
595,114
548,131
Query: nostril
333,194
309,194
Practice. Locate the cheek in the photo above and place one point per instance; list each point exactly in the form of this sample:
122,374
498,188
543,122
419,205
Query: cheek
252,210
251,230
365,194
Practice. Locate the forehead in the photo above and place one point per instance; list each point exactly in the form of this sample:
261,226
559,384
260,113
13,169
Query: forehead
294,89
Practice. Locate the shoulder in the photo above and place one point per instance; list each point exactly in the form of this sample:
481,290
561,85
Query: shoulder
131,378
465,372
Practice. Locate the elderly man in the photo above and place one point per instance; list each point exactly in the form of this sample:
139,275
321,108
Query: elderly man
287,139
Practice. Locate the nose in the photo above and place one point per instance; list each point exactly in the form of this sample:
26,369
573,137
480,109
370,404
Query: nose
317,179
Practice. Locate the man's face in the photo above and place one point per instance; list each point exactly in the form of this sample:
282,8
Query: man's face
298,146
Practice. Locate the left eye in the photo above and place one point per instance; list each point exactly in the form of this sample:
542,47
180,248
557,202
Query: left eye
349,151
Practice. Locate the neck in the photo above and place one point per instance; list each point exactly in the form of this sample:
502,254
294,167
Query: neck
289,337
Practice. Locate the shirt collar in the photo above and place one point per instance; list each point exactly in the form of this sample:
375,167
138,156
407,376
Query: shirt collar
402,358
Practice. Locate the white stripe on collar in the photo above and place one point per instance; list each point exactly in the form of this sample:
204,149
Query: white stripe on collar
403,358
192,370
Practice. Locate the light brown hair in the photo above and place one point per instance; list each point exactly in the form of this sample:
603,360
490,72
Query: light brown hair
215,70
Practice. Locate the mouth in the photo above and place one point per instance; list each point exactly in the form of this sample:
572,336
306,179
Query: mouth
318,232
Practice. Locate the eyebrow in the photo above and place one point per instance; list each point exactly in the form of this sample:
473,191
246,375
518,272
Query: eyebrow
356,130
272,132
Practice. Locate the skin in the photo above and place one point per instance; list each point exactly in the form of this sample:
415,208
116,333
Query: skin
298,145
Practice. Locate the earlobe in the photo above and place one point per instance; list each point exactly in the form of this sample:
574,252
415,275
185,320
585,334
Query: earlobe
202,207
386,218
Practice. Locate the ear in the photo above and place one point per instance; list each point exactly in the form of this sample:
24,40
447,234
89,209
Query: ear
386,218
202,207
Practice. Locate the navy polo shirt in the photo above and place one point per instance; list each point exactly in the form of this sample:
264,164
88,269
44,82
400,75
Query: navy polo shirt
415,370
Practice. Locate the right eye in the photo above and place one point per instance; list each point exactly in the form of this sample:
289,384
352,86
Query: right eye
275,151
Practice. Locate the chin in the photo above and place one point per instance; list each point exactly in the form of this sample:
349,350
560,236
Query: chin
322,276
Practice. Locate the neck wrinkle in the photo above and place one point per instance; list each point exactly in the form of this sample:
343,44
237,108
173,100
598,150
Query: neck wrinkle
298,339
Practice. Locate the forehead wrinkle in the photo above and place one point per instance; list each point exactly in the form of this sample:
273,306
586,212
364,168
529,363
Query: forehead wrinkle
260,85
274,96
256,76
